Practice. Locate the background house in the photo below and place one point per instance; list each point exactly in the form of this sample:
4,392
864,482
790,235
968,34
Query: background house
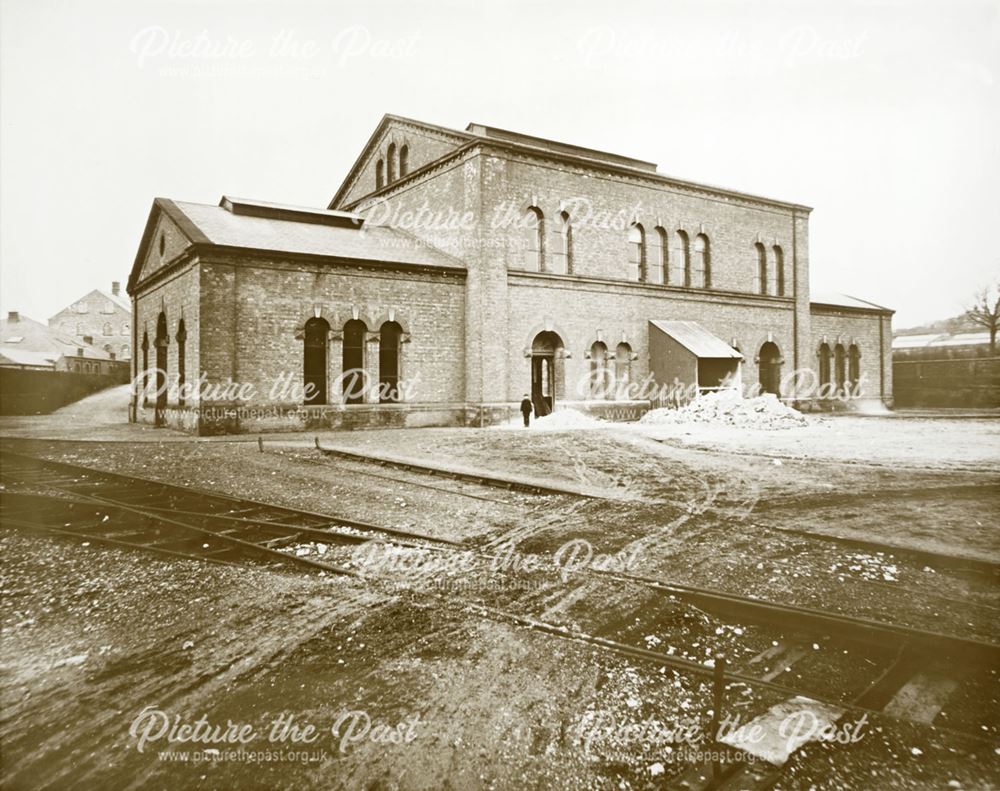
100,318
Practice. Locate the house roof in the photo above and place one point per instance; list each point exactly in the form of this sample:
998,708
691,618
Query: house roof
27,339
834,299
697,340
279,228
28,358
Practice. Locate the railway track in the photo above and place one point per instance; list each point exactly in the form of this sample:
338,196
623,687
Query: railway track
65,499
179,521
493,481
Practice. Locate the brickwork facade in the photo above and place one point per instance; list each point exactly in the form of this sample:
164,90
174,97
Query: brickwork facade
531,239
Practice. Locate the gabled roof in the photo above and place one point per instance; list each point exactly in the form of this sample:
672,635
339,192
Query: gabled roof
387,119
833,299
697,340
120,300
529,144
266,227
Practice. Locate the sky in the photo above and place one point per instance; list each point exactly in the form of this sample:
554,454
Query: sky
883,116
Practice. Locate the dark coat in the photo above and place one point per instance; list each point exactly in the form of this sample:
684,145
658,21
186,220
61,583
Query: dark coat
526,406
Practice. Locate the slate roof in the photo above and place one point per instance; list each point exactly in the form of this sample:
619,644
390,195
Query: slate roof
287,234
29,342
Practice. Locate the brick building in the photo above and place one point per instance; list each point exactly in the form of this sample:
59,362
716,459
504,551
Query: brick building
454,271
102,319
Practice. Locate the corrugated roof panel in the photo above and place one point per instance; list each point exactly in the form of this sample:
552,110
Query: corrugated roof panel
963,339
914,341
696,339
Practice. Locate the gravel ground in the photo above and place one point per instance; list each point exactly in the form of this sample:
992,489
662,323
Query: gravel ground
92,636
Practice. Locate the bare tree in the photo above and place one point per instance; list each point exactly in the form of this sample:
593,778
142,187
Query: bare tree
985,311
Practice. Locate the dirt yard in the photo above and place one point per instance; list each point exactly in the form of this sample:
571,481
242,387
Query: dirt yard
420,680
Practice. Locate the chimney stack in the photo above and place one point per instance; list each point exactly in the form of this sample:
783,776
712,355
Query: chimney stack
13,316
116,287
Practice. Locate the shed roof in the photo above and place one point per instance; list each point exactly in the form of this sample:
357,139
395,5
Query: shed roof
696,339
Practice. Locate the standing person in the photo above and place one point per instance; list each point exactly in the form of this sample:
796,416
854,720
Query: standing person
526,409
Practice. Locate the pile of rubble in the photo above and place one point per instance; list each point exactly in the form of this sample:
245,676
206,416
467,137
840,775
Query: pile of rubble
560,420
728,407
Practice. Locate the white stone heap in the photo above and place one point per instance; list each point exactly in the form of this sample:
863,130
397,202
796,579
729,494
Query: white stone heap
728,407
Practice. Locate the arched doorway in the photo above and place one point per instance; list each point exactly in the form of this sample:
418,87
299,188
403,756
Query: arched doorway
314,361
544,351
162,339
769,365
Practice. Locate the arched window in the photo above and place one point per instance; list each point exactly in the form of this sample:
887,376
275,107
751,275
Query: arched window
354,362
126,351
106,329
840,367
125,328
388,362
404,160
761,268
314,353
390,164
562,256
534,233
703,260
824,370
623,368
656,260
598,370
162,343
854,369
779,270
380,174
181,360
145,364
66,327
769,367
682,258
636,252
